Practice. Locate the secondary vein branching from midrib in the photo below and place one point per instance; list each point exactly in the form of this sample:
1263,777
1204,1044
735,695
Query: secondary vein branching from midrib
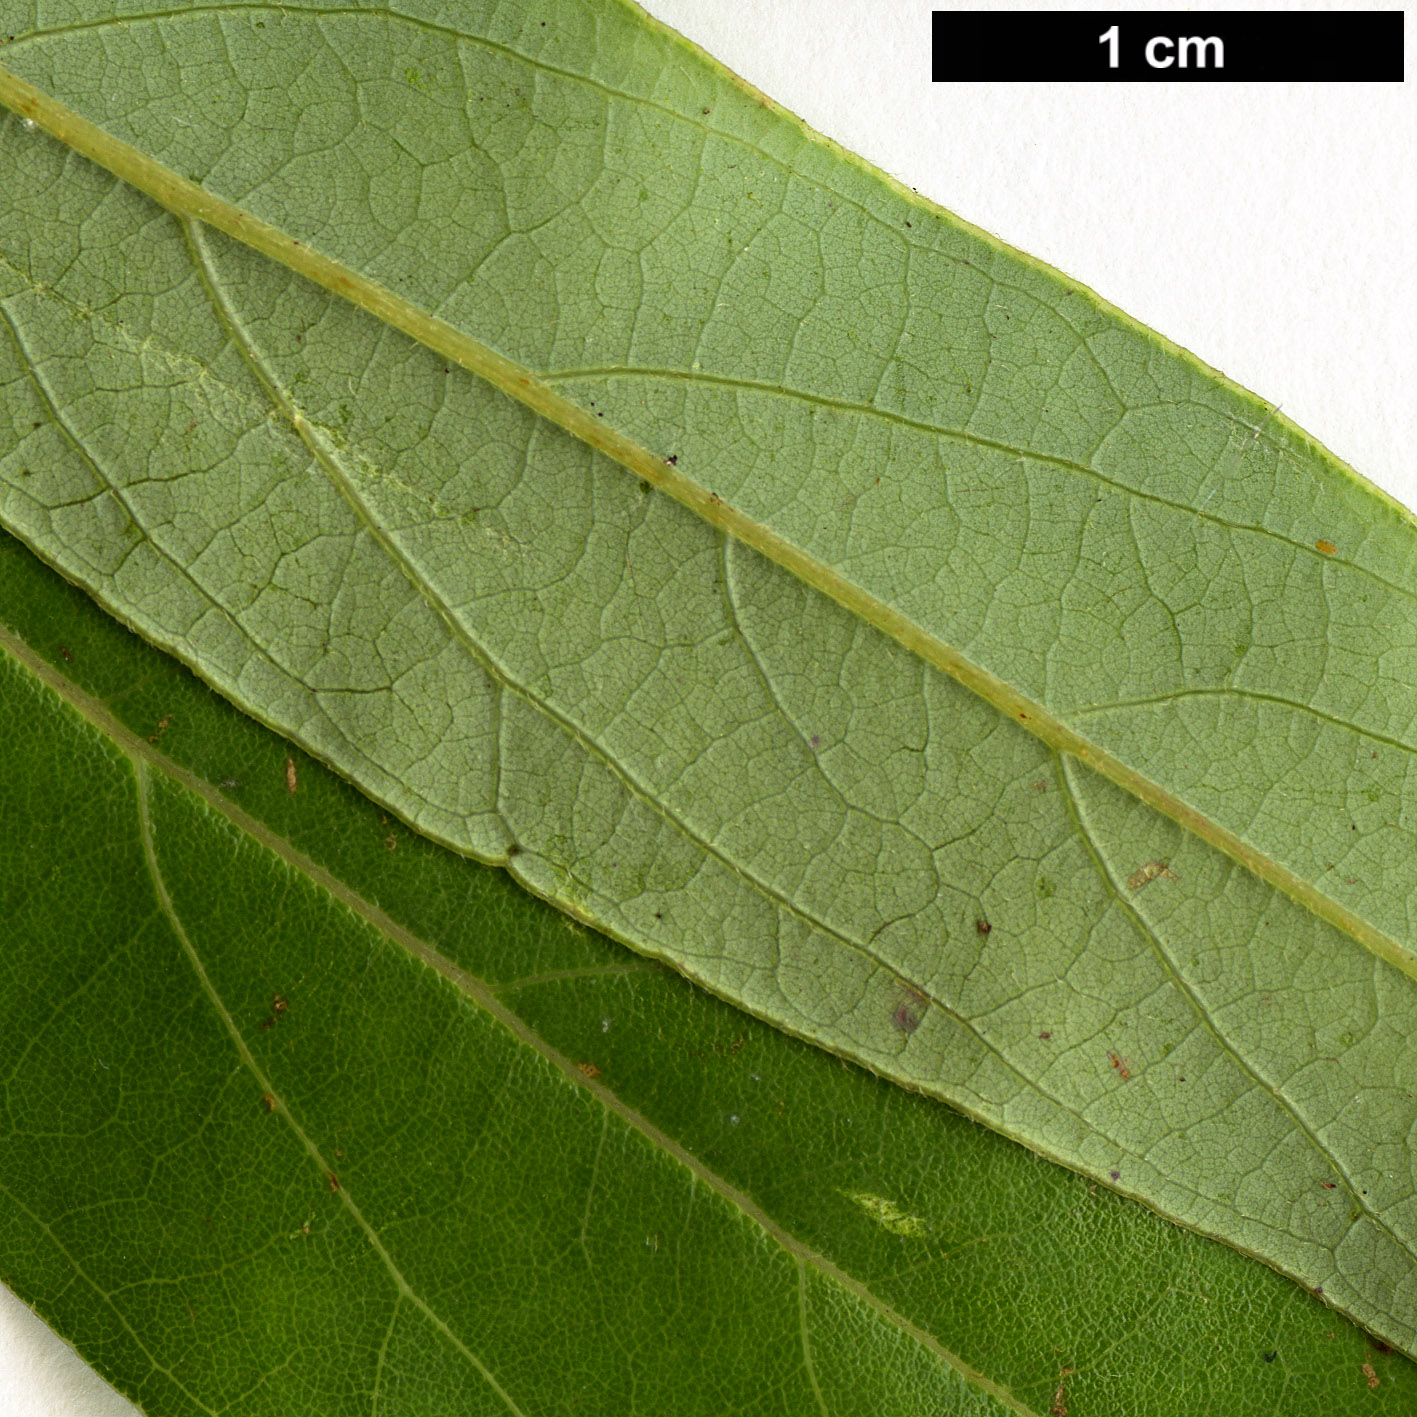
1204,1016
179,931
959,435
481,994
188,199
329,465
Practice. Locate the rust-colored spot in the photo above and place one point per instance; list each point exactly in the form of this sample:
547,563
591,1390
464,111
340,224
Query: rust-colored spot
1327,547
1045,1036
909,1010
334,1180
278,1005
160,729
1145,875
589,1069
290,779
1060,1395
1123,1066
268,1102
1371,1374
1329,1185
982,926
69,658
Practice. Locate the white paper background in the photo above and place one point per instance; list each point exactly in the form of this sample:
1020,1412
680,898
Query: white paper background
1268,228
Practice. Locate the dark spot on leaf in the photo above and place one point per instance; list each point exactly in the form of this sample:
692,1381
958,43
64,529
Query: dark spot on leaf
334,1180
268,1102
589,1069
982,926
1327,548
1045,1036
909,1010
1115,1175
1271,1355
64,650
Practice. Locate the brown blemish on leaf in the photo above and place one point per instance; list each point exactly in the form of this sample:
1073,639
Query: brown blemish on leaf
69,659
291,783
589,1069
909,1010
982,926
1371,1374
334,1180
1060,1396
1045,1036
160,729
1123,1066
1145,875
278,1005
1326,547
268,1102
391,843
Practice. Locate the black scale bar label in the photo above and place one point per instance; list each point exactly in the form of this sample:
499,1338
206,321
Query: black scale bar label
1196,46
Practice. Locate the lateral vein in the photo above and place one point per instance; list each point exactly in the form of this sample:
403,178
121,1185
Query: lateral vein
186,198
146,758
169,910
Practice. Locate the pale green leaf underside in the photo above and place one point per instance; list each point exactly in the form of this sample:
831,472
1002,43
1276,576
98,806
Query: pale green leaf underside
534,658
